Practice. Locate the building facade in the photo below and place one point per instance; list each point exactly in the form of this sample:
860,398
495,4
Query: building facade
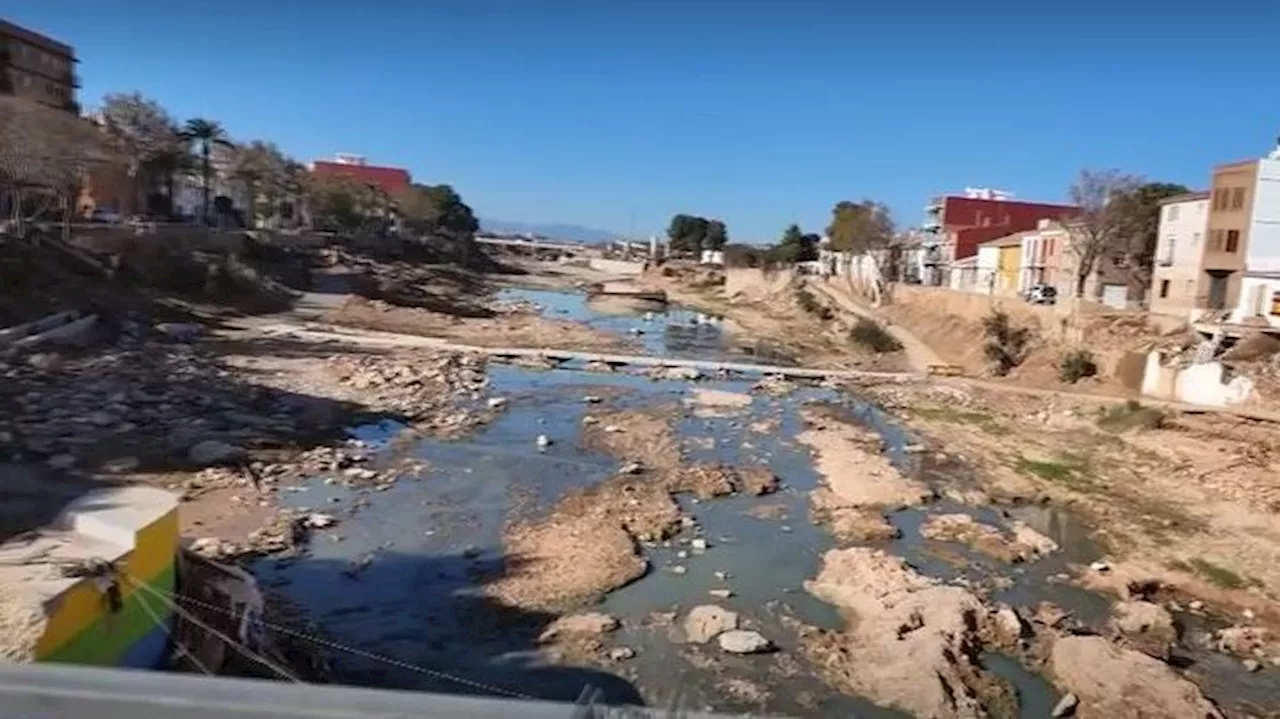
1042,250
955,225
37,68
1251,207
391,180
1179,258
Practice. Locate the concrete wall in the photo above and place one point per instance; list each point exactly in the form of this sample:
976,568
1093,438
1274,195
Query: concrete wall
1264,225
1203,383
617,267
1259,301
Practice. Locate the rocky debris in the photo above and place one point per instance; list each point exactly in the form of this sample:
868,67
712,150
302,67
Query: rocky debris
741,641
1118,683
718,403
543,441
717,480
851,524
856,476
621,654
1038,543
1147,627
1066,706
211,451
707,621
181,331
320,520
424,386
775,386
721,593
679,374
586,545
985,538
598,366
1100,566
1009,627
497,402
1243,641
587,623
1251,665
631,468
911,643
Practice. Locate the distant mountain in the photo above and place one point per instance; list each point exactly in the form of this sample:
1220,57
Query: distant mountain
568,233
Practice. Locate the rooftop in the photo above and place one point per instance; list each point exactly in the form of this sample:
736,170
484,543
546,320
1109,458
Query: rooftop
1185,197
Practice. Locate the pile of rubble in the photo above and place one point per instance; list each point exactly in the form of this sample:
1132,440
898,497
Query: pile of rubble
144,398
422,387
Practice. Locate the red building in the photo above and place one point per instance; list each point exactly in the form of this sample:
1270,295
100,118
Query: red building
957,224
392,180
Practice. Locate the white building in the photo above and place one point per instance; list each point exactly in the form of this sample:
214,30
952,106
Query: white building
1259,297
1179,249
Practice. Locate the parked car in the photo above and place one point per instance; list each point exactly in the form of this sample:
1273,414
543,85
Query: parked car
101,215
1042,294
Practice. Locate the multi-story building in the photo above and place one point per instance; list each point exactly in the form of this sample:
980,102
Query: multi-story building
955,225
392,180
1042,250
37,68
998,265
1178,277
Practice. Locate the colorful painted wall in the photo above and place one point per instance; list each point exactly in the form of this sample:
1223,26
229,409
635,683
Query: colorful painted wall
106,619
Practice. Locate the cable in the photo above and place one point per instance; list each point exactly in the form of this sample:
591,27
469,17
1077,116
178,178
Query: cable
164,626
241,649
390,661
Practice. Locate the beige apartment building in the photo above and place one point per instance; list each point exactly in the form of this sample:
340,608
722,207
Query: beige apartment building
1179,273
37,68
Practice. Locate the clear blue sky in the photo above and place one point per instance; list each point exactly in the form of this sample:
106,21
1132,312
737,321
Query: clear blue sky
758,112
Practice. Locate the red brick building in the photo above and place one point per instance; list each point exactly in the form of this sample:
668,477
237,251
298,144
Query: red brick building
956,224
392,180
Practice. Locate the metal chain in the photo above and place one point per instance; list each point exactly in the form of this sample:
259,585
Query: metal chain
391,661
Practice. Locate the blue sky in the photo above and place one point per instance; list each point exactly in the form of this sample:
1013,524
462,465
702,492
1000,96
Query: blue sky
758,112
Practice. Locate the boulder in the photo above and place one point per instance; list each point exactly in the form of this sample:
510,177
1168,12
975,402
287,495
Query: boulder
704,622
1148,627
589,623
741,641
1117,683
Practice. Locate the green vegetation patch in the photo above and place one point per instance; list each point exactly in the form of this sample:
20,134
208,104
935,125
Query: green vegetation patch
1066,469
1214,573
983,420
870,334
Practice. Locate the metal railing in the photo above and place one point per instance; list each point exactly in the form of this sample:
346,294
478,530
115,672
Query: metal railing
50,691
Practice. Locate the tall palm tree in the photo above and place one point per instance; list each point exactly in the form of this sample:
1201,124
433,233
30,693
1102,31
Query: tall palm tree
205,134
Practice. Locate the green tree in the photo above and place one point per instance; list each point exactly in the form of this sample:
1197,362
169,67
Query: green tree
1139,219
715,235
795,246
334,203
205,134
437,210
860,227
685,234
260,166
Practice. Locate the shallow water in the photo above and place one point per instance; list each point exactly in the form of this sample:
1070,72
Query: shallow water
414,552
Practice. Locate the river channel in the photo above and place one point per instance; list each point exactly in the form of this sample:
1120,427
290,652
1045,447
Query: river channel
422,545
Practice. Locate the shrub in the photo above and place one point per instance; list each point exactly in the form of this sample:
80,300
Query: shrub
1076,365
1130,416
810,304
868,333
1006,345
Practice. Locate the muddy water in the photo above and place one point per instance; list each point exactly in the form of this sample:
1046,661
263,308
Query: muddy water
399,576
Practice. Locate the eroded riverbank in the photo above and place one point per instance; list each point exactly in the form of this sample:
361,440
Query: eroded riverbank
619,494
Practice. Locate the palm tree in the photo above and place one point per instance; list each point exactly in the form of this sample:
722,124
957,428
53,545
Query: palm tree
205,134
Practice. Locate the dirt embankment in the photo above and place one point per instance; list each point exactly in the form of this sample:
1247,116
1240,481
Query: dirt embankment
772,314
1186,501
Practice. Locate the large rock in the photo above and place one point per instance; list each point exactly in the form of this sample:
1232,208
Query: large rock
1148,627
708,620
1112,682
741,641
211,451
911,641
588,624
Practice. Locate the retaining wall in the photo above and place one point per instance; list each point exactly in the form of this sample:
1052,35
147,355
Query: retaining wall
1203,383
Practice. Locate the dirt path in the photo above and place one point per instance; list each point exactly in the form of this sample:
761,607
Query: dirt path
919,354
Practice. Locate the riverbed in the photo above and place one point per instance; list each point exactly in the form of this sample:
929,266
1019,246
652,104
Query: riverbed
402,576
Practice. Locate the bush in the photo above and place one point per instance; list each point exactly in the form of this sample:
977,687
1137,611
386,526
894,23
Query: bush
810,304
1076,365
1006,345
868,333
1132,416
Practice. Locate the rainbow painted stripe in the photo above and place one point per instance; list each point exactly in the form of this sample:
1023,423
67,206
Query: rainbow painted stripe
98,621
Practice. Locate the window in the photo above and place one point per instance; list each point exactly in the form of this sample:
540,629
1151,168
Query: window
1164,289
1237,198
1172,214
1233,240
1215,241
1218,195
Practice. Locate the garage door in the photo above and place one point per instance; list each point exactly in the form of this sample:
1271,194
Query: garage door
1116,296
